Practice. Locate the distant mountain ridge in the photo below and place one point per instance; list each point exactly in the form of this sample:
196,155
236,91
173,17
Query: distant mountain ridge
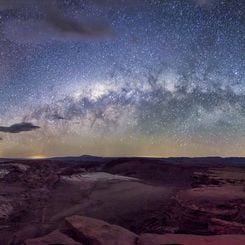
209,160
87,158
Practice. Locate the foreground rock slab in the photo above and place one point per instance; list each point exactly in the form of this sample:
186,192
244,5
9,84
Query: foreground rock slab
98,232
178,239
221,227
56,237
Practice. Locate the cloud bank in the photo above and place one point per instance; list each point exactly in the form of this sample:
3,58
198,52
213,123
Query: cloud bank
47,21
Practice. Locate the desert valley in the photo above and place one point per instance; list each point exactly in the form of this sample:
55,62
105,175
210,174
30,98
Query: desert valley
143,201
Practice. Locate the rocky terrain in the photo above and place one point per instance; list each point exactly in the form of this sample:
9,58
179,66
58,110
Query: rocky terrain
122,201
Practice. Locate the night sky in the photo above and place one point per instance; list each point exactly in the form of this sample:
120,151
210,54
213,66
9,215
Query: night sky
122,78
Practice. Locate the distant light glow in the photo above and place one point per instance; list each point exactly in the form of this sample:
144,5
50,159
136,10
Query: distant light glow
37,157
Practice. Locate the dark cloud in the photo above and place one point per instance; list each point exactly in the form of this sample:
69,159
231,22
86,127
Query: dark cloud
46,21
67,26
18,128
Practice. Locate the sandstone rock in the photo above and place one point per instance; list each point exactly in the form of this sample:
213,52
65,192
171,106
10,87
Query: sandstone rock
219,227
178,239
97,232
56,237
206,203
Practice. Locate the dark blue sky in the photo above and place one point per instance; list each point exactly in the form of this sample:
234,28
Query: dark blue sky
121,78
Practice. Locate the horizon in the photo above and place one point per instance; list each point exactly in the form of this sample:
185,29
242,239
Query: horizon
116,157
143,78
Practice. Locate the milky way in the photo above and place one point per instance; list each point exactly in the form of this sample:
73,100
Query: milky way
147,78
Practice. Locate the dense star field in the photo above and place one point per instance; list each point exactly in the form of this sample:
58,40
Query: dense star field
103,77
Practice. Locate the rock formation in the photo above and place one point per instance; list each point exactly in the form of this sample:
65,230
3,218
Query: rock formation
89,231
